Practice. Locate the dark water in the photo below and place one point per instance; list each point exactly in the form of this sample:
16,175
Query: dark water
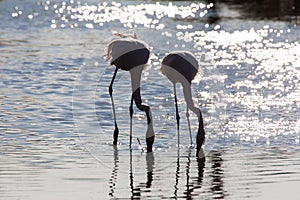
56,121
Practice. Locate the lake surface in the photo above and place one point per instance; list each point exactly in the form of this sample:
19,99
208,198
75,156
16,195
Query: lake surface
56,120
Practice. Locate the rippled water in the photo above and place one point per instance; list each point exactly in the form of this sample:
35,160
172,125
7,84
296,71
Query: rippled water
56,121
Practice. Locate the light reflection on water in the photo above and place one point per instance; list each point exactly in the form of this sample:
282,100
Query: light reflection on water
54,81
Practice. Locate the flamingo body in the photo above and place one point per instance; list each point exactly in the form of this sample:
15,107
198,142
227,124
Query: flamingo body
180,63
127,54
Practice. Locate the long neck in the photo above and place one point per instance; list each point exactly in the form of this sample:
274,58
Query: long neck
136,73
136,96
187,92
136,91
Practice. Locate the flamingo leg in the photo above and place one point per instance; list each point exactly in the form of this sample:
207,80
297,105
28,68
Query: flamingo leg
116,132
189,124
131,114
177,173
177,113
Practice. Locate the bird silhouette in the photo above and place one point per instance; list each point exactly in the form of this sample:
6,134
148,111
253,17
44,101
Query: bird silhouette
182,67
130,54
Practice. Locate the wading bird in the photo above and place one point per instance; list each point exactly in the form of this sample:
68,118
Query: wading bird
129,54
182,67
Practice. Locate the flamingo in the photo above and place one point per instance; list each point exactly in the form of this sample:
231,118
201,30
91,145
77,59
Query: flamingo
130,54
182,67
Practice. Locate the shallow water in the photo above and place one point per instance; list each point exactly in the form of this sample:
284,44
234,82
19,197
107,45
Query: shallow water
56,121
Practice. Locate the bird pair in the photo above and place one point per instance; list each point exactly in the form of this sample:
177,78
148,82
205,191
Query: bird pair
131,54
